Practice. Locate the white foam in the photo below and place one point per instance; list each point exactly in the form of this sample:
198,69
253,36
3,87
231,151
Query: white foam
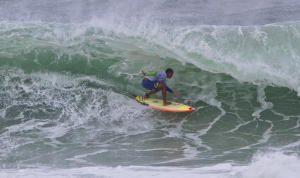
271,165
261,99
263,165
120,172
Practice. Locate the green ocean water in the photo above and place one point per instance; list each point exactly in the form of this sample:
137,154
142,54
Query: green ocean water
66,98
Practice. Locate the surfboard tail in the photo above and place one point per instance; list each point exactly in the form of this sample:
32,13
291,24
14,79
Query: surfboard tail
140,99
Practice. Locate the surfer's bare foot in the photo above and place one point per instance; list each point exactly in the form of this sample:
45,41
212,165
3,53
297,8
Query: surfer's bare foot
167,103
146,95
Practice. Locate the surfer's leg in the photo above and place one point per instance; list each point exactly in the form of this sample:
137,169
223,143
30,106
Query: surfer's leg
153,86
147,85
151,92
164,92
163,87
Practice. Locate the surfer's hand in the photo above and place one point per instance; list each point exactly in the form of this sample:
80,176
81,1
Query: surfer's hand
144,73
175,93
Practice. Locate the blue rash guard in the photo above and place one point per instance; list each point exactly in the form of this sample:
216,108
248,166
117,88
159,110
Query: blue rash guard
154,78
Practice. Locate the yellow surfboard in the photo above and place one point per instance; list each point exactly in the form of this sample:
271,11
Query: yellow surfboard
158,104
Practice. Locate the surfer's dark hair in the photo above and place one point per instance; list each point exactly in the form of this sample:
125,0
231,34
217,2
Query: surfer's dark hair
169,70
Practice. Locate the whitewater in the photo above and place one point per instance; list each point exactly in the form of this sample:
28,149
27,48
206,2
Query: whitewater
69,70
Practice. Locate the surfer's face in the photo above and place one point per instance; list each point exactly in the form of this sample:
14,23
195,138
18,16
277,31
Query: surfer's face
169,74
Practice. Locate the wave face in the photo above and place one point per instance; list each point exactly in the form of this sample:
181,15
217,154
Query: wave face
67,80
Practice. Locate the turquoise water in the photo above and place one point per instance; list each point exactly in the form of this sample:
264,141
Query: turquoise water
67,109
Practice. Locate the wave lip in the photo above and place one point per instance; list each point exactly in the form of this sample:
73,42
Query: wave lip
258,54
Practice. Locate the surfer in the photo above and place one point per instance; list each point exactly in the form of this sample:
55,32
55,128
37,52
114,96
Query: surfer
156,81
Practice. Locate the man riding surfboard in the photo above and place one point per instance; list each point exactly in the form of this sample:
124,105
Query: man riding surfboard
156,81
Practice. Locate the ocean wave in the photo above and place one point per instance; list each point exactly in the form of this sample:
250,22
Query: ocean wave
258,54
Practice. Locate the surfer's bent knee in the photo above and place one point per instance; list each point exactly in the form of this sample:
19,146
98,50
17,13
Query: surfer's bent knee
162,85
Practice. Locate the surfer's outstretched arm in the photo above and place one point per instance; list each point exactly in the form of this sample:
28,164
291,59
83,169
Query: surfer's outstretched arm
175,93
171,91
